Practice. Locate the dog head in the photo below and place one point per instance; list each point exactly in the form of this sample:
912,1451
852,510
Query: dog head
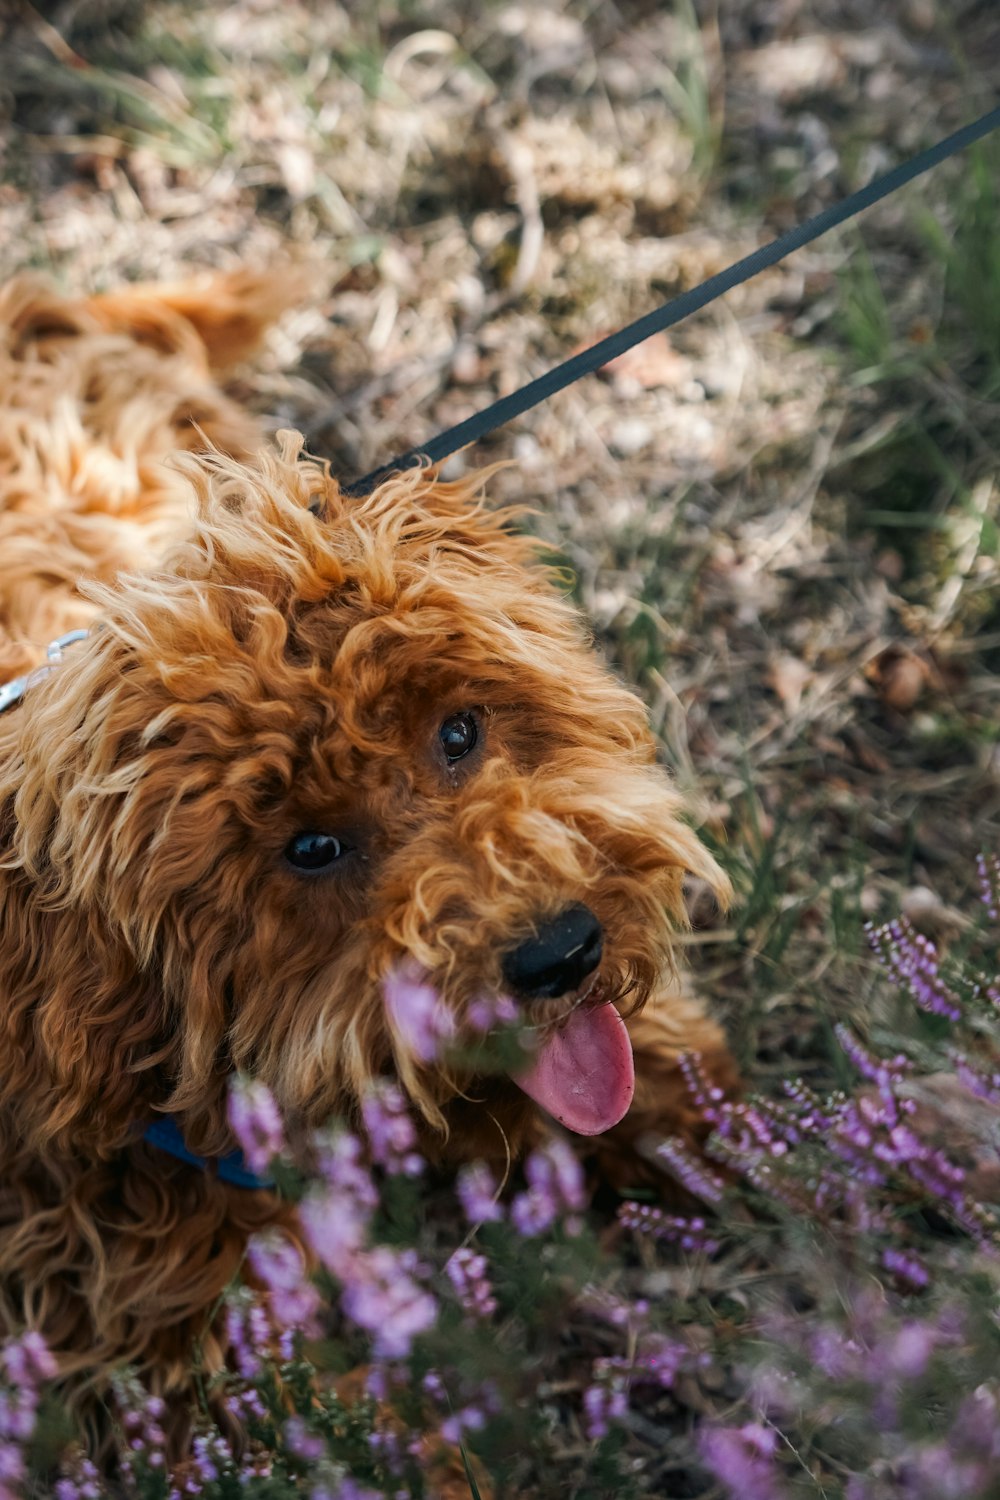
331,745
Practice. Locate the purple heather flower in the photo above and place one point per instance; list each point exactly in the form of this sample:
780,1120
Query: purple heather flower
983,1085
690,1234
478,1192
743,1459
911,961
336,1228
555,1187
279,1265
878,1070
467,1272
381,1296
17,1413
690,1171
906,1268
248,1330
490,1011
300,1441
706,1095
988,872
12,1469
604,1402
976,1428
391,1133
469,1419
618,1312
255,1122
419,1016
27,1360
909,1352
83,1483
211,1457
342,1167
247,1406
336,1216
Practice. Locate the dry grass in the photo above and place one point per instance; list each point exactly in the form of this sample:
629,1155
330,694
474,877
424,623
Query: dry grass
783,520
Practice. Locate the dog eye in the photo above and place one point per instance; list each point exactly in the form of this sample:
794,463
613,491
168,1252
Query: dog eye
314,851
458,736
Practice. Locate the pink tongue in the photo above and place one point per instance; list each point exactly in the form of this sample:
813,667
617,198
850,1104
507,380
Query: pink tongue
584,1075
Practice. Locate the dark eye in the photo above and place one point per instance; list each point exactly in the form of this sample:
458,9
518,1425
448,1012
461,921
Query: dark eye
314,851
458,735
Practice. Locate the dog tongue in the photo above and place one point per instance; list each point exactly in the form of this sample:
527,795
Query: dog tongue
584,1075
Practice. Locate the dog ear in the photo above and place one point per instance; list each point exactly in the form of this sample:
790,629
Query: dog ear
221,317
84,1037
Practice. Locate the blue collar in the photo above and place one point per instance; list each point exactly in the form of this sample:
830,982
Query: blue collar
166,1136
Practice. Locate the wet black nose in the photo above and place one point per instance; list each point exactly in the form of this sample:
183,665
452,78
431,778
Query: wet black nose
557,958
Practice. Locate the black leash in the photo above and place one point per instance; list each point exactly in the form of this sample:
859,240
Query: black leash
589,360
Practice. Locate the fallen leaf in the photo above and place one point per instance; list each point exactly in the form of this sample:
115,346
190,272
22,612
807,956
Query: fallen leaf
788,678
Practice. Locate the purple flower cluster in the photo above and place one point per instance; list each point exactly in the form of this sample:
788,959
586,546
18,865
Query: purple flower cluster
467,1272
79,1480
555,1188
988,875
27,1364
383,1294
417,1014
828,1156
656,1360
605,1402
867,1369
691,1171
381,1288
337,1211
293,1299
743,1458
392,1138
912,962
249,1332
908,1269
141,1416
256,1122
979,1082
479,1195
302,1442
687,1233
964,1464
879,1350
492,1012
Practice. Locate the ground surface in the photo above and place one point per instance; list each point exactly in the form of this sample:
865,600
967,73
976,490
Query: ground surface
783,519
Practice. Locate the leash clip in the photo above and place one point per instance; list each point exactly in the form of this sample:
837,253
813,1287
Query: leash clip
12,692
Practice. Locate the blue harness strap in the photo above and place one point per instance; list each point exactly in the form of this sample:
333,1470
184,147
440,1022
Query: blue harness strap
165,1135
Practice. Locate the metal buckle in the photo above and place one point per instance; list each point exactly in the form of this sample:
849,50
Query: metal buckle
12,692
56,647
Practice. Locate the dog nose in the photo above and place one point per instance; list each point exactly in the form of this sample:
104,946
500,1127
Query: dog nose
558,957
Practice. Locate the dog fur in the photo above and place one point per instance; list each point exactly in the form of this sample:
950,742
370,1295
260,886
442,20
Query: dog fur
268,656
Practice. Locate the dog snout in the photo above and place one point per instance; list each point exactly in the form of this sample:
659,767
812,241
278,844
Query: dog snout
558,957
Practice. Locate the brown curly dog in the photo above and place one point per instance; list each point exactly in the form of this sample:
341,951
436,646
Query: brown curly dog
307,741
